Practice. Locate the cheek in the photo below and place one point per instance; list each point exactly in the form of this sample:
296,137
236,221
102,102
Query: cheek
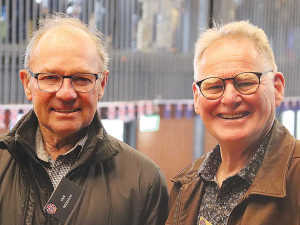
90,101
41,99
206,107
266,100
263,106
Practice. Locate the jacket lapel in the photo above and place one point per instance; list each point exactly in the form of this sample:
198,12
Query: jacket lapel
275,164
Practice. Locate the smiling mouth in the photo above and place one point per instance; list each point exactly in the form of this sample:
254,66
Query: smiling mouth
234,116
65,110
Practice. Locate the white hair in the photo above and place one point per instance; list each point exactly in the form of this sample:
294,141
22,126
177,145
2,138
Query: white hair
60,19
235,30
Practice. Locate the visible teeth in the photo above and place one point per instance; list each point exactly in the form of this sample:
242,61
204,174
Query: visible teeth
232,116
64,111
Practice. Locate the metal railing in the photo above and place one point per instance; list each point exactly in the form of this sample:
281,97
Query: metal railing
150,42
151,53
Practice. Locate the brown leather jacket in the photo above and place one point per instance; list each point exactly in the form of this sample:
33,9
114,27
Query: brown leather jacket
273,198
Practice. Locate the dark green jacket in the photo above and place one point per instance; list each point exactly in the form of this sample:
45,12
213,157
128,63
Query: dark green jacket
273,198
121,185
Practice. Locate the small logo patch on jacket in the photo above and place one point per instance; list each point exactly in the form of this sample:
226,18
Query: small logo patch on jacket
51,209
203,221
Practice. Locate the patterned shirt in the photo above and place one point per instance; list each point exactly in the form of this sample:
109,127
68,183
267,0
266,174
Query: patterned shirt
217,203
62,165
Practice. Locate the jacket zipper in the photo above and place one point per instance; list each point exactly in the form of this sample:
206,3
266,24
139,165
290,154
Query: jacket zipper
177,206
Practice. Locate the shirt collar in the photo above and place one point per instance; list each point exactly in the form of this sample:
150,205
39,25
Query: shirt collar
249,171
213,160
44,156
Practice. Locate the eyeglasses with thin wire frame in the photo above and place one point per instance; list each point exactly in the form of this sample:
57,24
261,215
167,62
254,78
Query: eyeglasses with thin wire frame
246,83
51,82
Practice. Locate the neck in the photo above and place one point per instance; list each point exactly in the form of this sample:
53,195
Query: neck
56,145
234,158
231,164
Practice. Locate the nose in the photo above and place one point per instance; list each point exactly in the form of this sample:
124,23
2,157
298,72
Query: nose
231,96
66,91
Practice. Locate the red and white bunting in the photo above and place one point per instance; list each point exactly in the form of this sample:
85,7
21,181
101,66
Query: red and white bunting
141,108
149,108
122,112
131,111
111,114
2,118
13,117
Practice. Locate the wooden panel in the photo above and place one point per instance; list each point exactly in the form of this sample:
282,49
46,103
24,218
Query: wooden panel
171,147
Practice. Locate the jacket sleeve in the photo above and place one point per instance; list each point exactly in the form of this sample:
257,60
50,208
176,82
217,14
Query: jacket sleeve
172,202
156,210
173,195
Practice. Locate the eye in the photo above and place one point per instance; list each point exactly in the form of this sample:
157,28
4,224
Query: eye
212,85
246,84
83,79
49,78
246,81
215,87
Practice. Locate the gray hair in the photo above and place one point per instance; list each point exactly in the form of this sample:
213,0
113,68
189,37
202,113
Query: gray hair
236,30
60,19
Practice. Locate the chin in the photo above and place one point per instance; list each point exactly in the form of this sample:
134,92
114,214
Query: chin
231,136
66,129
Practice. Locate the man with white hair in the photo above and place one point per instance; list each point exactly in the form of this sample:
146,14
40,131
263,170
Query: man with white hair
58,165
252,175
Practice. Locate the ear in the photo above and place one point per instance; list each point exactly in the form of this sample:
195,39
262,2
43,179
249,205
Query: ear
196,92
103,84
25,81
279,85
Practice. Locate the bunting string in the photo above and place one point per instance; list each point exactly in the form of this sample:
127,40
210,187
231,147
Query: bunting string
129,111
125,111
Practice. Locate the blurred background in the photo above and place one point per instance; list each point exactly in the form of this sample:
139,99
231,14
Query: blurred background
148,101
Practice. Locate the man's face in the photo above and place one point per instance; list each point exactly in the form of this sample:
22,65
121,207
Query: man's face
66,52
237,119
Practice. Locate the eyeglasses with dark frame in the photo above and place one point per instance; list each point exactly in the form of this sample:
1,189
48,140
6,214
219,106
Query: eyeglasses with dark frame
246,83
51,82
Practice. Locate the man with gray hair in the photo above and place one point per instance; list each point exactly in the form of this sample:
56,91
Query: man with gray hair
252,175
58,165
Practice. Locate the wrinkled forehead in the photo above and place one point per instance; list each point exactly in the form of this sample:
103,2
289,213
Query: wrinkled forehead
230,55
65,34
64,40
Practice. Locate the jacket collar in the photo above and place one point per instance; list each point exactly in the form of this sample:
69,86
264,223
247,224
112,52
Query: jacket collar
271,177
98,146
23,133
189,173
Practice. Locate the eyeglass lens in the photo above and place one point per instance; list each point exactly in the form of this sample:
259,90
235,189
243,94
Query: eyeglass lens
53,82
245,83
